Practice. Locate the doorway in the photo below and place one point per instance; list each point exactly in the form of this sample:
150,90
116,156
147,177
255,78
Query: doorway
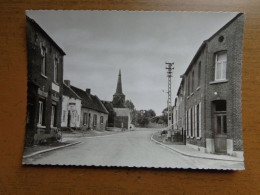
220,126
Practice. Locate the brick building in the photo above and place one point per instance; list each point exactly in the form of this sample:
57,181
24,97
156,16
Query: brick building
45,78
212,92
94,115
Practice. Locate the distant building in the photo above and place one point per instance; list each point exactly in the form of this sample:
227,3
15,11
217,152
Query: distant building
111,112
71,107
122,118
45,78
94,115
210,93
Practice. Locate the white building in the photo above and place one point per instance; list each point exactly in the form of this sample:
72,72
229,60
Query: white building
71,107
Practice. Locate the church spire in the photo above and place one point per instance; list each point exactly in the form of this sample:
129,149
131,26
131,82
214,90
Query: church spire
119,97
119,84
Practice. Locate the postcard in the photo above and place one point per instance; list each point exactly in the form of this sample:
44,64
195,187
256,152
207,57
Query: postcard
154,89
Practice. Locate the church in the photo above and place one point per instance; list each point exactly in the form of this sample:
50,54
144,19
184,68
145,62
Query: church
119,114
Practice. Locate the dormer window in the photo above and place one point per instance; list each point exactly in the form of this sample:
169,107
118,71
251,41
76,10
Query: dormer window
220,66
43,58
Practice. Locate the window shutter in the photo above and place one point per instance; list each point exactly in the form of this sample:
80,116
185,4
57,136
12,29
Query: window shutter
186,123
195,121
193,114
189,122
200,119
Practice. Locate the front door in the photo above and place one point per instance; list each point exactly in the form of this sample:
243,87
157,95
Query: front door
221,133
69,118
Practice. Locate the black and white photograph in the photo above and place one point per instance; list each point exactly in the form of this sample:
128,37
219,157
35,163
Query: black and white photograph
150,89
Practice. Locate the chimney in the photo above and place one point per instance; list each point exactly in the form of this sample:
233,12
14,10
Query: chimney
67,82
88,91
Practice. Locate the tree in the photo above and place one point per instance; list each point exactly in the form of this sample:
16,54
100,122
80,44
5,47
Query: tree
150,113
129,104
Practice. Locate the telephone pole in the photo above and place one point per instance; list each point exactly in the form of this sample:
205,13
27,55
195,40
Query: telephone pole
169,68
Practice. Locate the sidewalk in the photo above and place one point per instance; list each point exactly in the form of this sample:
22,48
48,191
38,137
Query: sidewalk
69,138
38,149
191,152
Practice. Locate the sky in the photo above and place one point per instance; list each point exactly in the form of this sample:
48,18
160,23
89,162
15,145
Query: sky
99,43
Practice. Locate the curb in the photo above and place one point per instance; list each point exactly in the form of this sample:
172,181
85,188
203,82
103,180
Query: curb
189,155
51,149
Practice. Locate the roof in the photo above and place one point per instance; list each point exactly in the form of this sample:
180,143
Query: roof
89,101
67,91
206,41
108,105
179,89
38,27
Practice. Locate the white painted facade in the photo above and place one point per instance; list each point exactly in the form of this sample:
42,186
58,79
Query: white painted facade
71,111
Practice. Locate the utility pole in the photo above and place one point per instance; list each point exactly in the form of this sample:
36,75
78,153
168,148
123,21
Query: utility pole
169,68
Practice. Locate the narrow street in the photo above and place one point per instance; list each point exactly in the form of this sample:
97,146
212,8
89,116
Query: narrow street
132,148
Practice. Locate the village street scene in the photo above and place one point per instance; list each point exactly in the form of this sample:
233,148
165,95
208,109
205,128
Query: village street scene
174,111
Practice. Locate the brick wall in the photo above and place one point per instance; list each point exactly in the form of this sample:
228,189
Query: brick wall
209,91
34,40
231,90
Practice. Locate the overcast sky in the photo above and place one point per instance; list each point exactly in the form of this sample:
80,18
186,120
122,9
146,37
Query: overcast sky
99,43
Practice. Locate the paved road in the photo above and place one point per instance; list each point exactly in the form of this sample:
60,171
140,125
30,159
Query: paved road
134,149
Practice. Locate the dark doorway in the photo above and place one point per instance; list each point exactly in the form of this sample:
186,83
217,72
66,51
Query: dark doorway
220,126
69,118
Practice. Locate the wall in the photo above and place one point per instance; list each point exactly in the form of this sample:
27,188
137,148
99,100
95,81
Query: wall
230,90
44,82
75,121
18,179
99,126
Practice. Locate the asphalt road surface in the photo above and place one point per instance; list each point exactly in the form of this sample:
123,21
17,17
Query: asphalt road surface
129,149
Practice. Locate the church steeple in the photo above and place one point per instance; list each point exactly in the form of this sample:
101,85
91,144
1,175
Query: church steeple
119,97
119,84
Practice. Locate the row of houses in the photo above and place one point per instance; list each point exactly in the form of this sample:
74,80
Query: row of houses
53,103
207,109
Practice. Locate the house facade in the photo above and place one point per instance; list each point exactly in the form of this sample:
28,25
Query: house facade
94,115
45,78
212,92
71,108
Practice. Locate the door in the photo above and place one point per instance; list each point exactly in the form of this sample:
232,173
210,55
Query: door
89,120
69,119
221,133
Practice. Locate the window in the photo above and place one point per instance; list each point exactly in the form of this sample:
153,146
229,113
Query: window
55,68
53,116
198,120
85,119
43,59
41,113
192,82
95,120
101,119
220,66
199,74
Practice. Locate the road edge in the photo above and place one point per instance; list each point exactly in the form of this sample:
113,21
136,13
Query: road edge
189,155
50,149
